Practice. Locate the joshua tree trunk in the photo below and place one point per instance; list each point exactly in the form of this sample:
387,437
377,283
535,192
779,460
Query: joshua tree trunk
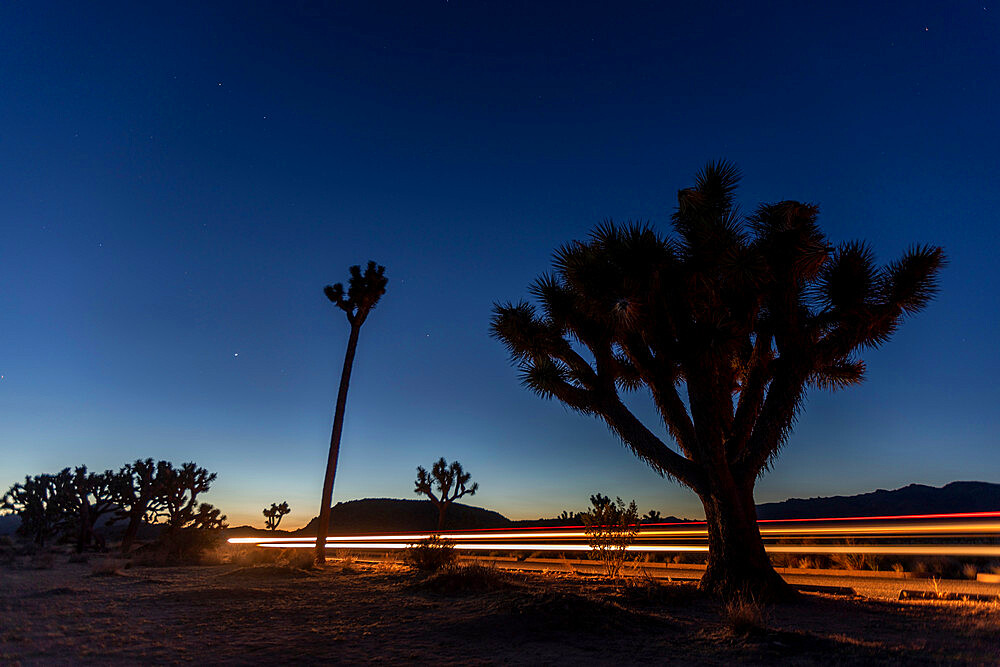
737,561
331,464
442,508
86,528
130,532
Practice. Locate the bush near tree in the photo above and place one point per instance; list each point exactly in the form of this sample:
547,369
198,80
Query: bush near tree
611,527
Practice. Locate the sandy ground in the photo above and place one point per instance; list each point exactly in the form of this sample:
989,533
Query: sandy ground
226,614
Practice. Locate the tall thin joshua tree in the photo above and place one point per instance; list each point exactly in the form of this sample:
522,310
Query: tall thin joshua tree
363,292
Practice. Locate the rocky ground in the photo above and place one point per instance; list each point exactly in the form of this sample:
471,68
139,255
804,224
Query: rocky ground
102,612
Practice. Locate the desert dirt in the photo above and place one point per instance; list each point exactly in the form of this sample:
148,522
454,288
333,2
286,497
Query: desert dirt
352,614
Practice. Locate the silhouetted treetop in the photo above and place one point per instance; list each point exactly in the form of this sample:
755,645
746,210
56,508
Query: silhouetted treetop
363,292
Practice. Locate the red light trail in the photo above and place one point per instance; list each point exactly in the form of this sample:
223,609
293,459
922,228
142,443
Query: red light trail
881,535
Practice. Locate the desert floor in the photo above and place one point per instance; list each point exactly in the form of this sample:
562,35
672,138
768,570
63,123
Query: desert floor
78,613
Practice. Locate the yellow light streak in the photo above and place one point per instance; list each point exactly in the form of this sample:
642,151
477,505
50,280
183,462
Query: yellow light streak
895,549
913,529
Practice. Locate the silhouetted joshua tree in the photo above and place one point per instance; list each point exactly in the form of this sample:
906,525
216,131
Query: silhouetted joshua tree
137,490
273,514
449,481
89,499
742,314
363,291
179,490
41,503
652,516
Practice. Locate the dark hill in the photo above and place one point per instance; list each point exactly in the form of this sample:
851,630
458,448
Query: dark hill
912,499
392,515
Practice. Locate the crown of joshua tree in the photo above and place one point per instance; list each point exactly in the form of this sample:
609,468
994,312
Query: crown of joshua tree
363,292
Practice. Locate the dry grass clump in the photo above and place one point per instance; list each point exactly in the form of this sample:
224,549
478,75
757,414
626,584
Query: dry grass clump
645,590
267,562
283,571
743,616
546,611
457,579
248,555
390,565
107,567
42,561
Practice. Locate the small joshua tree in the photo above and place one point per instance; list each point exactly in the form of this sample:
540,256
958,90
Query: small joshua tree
273,514
89,498
450,482
652,516
611,527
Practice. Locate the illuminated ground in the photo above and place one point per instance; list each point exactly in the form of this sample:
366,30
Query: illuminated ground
226,614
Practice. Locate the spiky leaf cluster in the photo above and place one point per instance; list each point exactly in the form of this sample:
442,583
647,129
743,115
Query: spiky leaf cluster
364,289
725,323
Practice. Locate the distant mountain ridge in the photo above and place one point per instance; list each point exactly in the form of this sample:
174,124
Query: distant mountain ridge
911,499
398,515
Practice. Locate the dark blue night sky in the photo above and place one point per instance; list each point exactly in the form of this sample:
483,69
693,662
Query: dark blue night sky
178,181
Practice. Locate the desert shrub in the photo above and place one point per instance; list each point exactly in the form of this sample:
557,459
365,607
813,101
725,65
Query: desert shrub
456,579
431,554
898,568
303,559
744,616
106,567
611,527
189,545
645,590
42,561
246,555
969,570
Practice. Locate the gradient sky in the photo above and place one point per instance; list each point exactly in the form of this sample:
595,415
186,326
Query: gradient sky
178,181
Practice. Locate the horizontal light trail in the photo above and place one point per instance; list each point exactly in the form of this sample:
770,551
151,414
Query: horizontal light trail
667,538
888,517
907,530
887,549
